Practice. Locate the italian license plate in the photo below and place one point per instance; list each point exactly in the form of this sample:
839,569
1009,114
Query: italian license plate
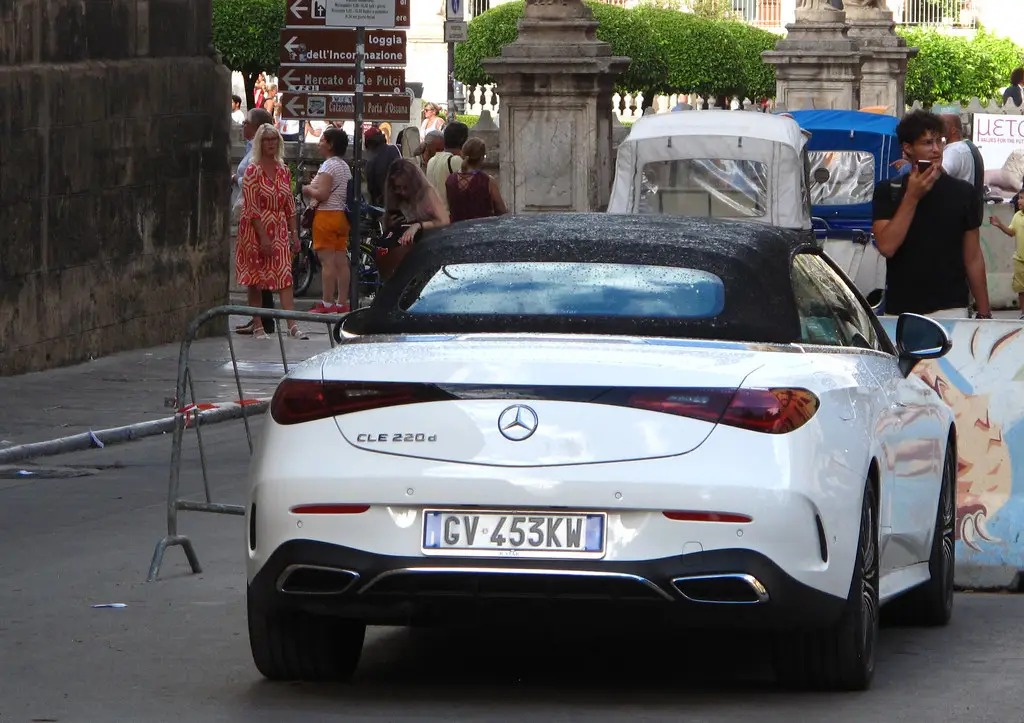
476,533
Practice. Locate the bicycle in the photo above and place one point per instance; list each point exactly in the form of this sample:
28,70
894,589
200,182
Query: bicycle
305,263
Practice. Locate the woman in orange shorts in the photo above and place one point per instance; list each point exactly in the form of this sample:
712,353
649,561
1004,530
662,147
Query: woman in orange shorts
330,225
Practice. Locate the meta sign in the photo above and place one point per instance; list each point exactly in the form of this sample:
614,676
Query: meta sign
997,136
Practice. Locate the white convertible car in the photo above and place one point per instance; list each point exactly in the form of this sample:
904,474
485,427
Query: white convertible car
606,420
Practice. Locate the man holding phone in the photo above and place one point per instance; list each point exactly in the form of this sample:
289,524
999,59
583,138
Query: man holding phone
927,225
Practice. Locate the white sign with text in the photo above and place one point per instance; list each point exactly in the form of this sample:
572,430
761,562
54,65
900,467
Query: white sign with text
361,13
997,136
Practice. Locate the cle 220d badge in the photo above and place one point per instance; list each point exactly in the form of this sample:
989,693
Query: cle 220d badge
396,437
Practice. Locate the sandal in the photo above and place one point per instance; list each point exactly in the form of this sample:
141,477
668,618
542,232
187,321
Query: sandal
296,333
258,332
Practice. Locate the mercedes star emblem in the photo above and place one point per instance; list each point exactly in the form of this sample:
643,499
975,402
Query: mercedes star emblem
517,423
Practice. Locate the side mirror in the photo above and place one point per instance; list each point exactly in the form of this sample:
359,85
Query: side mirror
917,338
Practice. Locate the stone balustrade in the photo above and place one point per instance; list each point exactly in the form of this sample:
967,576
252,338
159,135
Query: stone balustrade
626,106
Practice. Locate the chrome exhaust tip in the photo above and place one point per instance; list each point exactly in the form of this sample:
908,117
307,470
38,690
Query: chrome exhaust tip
315,580
726,589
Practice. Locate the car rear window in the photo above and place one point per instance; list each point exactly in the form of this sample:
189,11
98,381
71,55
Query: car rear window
705,187
568,289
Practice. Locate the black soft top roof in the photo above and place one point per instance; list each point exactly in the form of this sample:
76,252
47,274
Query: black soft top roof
752,259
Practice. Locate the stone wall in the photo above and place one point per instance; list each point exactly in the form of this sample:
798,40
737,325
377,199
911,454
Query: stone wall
114,177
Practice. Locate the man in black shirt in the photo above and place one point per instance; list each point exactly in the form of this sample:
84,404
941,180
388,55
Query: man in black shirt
382,155
926,224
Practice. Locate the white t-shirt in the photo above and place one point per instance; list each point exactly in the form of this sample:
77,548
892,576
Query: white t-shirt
958,161
238,116
340,175
439,168
314,125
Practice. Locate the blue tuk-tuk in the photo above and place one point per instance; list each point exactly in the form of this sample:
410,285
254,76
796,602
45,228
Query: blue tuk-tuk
848,153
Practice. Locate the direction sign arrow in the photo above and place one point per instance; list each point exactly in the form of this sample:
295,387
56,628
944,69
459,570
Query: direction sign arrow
296,105
299,9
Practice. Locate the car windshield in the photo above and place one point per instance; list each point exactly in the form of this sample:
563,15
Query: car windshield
568,289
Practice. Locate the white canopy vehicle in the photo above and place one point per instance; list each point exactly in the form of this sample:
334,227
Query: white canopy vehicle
715,164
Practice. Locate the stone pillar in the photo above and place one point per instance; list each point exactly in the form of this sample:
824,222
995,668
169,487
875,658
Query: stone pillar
817,66
885,56
556,84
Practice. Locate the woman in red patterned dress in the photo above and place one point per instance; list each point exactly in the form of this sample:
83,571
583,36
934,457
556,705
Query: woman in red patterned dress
263,255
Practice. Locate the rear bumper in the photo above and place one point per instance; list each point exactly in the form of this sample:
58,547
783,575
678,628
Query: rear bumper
728,588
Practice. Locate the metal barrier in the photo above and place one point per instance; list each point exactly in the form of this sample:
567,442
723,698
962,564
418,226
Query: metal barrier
191,414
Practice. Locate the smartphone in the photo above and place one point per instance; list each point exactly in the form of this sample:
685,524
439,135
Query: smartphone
923,166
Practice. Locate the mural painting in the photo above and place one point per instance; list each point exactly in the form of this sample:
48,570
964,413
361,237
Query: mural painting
982,380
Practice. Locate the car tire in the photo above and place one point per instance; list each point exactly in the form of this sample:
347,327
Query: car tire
931,604
297,646
841,657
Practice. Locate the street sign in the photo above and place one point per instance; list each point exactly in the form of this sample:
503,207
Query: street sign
454,9
313,79
324,106
313,13
361,13
337,46
456,31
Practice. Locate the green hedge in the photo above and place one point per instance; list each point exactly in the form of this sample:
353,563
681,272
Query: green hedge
955,69
678,52
669,50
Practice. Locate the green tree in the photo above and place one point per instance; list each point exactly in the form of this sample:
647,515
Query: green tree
757,78
955,69
247,34
704,57
488,34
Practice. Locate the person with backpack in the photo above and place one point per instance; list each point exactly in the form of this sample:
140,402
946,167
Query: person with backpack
926,224
962,159
449,160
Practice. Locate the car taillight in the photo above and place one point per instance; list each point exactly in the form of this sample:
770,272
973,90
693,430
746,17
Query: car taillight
696,516
772,411
305,400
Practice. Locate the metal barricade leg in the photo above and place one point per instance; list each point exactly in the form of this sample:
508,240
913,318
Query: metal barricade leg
173,539
199,437
238,386
185,384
